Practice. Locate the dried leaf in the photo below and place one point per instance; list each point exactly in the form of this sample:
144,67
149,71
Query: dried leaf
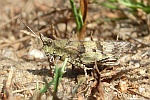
83,8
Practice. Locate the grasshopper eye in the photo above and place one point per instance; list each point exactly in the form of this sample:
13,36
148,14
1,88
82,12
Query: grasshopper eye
48,42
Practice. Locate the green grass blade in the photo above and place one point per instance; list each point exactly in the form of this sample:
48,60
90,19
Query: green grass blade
58,75
109,5
63,67
80,18
73,7
56,78
46,86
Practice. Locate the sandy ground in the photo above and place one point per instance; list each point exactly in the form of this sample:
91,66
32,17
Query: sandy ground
23,63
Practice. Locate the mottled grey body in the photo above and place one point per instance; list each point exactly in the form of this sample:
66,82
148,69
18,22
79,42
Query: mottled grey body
85,52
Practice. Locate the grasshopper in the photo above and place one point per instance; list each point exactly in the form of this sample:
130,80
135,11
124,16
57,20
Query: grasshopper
84,52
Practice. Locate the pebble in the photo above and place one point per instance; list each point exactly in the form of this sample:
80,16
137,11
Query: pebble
36,54
141,89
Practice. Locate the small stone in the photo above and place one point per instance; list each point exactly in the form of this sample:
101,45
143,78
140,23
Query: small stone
141,89
36,54
61,27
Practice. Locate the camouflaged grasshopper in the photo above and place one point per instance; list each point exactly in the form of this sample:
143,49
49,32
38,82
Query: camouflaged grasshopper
84,52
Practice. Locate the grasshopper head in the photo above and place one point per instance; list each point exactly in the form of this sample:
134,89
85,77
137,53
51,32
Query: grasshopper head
47,45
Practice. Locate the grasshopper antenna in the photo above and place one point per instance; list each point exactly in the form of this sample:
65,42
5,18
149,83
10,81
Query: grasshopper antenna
29,28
